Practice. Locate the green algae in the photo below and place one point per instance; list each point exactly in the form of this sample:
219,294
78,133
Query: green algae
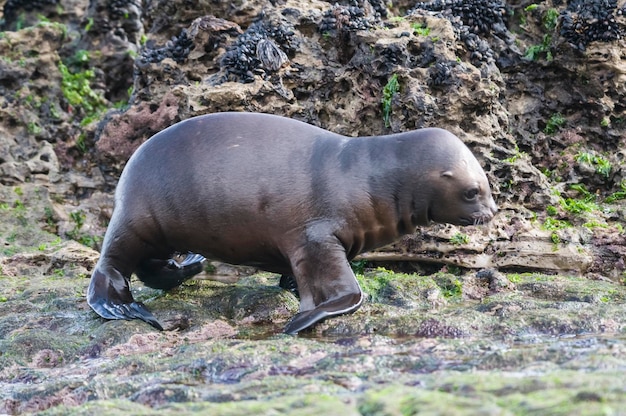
442,343
303,404
402,400
398,289
21,210
560,392
103,408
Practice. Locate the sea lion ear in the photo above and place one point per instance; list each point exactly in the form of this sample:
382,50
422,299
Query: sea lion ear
447,174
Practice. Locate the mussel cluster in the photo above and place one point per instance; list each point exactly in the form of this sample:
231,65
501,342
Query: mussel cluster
479,48
261,50
470,19
380,6
346,18
177,48
480,16
585,21
118,9
441,75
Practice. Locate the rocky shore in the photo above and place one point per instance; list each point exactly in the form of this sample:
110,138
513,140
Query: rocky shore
525,315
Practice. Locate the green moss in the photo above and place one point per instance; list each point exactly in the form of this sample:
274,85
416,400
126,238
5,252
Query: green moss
595,224
375,282
81,56
459,239
80,142
552,210
514,277
618,195
601,165
34,128
78,218
294,404
209,267
578,206
89,24
534,52
420,30
404,400
400,289
389,91
555,224
76,88
451,286
58,273
358,266
44,22
582,190
517,155
554,124
554,237
550,19
22,345
49,216
575,206
21,20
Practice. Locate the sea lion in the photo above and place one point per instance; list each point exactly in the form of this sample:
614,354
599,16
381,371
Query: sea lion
280,195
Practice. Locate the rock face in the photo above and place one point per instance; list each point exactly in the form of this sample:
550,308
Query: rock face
537,91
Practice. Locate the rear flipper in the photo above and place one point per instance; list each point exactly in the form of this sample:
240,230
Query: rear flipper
109,291
109,296
288,282
168,274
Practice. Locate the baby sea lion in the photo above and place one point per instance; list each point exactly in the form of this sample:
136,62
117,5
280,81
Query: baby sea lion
280,195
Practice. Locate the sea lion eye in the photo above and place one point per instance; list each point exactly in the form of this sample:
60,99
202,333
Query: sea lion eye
471,194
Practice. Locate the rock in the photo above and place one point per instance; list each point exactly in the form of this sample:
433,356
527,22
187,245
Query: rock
536,91
124,132
458,67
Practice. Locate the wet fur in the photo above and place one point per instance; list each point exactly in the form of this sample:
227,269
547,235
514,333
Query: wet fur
280,195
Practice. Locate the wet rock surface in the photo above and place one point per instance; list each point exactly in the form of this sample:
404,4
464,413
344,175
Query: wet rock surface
522,315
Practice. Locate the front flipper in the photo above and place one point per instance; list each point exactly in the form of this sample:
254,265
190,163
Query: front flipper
109,296
168,274
324,279
345,304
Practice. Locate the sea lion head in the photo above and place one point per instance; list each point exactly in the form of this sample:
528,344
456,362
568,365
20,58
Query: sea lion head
460,192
